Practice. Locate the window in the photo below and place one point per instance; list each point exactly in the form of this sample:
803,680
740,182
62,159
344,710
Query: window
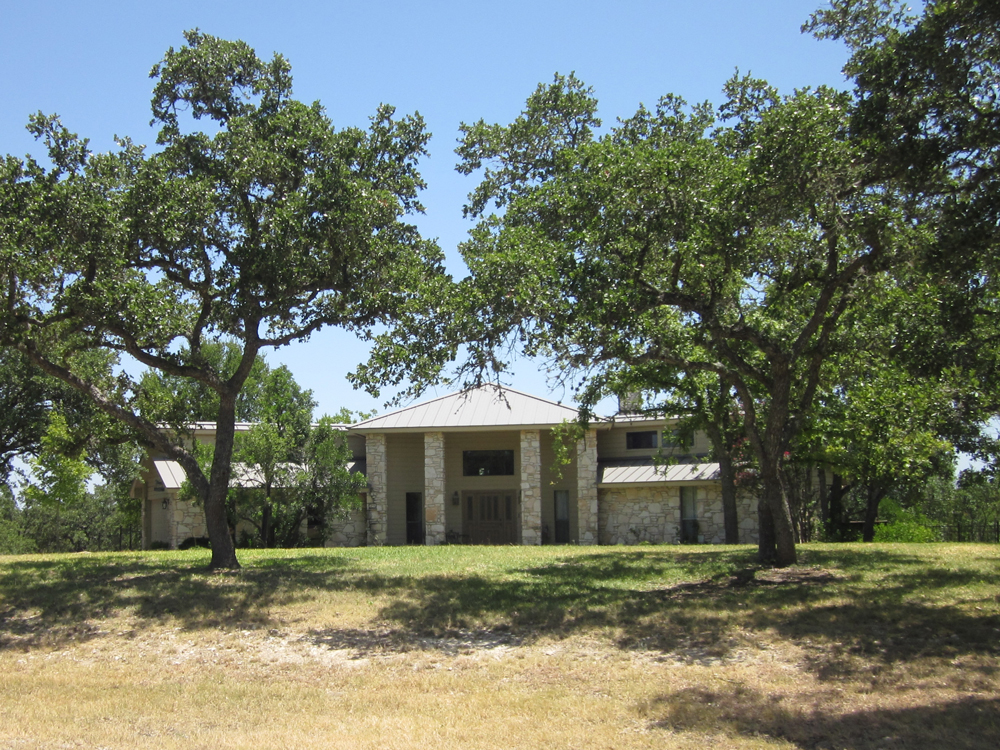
672,439
487,463
689,516
642,440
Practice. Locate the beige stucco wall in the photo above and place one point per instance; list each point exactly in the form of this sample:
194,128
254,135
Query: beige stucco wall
455,443
611,444
552,480
405,459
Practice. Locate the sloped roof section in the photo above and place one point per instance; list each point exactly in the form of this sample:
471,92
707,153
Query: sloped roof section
657,474
485,407
171,474
248,477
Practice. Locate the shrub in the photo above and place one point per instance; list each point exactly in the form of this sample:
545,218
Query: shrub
905,525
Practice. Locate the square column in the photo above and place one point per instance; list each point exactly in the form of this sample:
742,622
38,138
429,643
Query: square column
586,488
378,484
531,487
434,488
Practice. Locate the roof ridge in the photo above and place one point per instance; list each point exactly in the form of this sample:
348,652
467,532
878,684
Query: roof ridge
497,391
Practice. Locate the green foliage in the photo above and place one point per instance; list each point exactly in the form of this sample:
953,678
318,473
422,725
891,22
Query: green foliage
565,437
94,522
256,222
178,401
329,488
687,240
905,525
926,115
58,476
298,471
13,540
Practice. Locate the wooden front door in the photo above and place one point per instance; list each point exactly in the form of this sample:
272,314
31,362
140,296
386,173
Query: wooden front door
490,517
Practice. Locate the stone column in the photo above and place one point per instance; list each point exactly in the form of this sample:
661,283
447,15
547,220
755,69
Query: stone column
531,487
586,488
175,515
434,488
378,484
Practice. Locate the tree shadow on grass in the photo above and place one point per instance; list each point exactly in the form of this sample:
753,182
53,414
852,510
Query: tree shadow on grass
702,604
51,602
846,625
971,723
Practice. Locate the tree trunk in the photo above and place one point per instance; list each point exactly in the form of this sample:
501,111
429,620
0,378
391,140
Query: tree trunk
875,495
824,503
223,549
767,551
728,477
265,524
780,520
835,521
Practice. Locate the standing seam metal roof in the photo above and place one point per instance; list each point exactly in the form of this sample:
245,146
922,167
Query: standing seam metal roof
485,406
655,474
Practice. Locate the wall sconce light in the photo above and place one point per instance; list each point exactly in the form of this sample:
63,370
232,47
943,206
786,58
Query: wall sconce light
454,498
166,503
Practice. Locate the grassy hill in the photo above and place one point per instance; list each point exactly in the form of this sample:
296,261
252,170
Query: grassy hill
860,646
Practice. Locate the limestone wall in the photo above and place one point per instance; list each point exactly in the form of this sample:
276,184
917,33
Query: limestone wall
629,515
434,488
347,528
378,489
531,487
586,498
187,520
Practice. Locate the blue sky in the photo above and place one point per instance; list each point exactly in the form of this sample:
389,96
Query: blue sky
451,61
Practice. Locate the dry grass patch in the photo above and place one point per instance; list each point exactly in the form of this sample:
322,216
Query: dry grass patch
858,647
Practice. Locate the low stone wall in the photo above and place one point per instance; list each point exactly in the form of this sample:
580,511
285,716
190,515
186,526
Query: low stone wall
629,515
344,528
347,529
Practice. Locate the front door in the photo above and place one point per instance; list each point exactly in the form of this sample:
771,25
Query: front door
490,517
562,516
414,518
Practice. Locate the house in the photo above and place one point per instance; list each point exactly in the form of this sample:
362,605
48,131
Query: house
479,467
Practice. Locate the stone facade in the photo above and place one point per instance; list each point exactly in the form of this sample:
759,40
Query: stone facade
434,488
586,488
347,528
187,520
378,483
531,487
633,514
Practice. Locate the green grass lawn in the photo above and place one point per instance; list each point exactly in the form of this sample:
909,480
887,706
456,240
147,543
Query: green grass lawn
653,646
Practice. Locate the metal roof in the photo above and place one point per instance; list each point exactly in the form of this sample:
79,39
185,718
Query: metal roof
657,474
249,477
485,407
171,473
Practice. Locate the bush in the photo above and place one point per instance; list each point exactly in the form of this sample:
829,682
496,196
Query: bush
195,541
905,525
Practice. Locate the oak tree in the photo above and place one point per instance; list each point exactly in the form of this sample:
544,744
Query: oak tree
728,241
254,220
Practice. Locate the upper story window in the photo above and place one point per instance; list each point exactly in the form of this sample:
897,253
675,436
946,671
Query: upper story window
672,439
487,463
642,440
